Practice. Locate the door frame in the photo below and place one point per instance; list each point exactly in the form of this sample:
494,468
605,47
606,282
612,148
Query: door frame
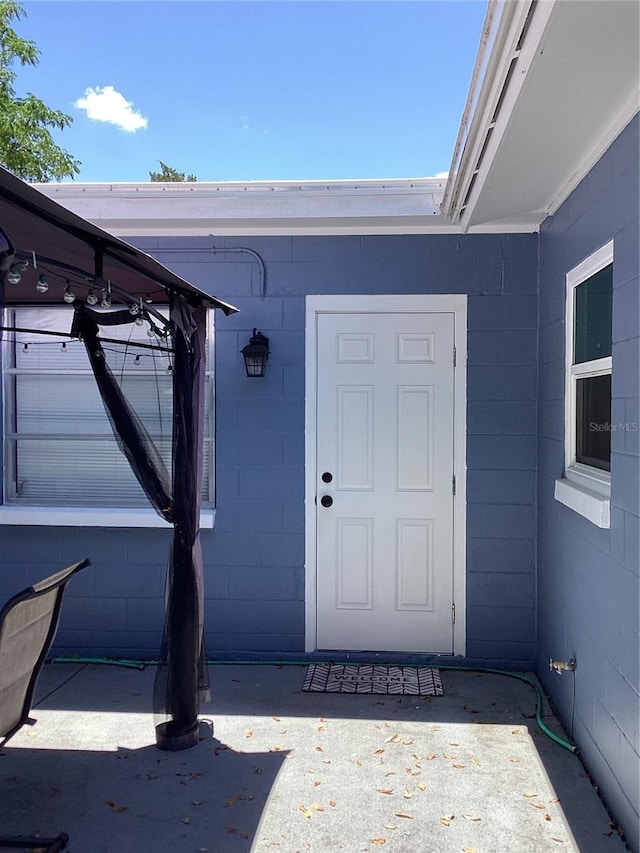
455,304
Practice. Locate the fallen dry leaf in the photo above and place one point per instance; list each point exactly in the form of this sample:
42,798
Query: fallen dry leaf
459,766
332,803
453,743
248,733
471,817
555,800
244,833
319,749
119,809
186,819
405,815
547,816
529,794
475,761
316,783
320,728
422,786
407,794
359,762
393,739
317,807
391,826
407,741
196,802
378,752
305,811
234,799
446,819
110,803
447,755
230,829
538,805
516,732
430,757
378,840
469,850
277,719
384,790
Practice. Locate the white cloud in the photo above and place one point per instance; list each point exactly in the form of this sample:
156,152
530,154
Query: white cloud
441,175
106,104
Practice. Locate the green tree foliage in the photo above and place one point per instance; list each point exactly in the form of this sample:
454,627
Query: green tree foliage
26,146
169,175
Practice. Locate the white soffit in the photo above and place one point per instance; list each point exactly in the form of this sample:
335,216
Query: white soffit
572,87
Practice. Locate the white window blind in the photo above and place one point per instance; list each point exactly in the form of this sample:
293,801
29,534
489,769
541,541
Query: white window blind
59,449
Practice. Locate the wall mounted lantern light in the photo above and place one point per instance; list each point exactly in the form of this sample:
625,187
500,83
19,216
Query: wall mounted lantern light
255,354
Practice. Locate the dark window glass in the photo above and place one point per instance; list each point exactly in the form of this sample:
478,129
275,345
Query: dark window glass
593,421
593,317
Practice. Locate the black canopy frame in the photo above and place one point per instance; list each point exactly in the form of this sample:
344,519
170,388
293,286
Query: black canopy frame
33,226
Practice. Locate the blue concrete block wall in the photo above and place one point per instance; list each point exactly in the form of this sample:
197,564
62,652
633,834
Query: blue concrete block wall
588,578
254,559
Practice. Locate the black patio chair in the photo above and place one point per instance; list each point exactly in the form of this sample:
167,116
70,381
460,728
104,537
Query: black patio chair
28,625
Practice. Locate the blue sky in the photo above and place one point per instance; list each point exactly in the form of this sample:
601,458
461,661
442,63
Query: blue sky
255,90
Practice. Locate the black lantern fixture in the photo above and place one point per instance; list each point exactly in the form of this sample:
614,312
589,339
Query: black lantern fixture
255,354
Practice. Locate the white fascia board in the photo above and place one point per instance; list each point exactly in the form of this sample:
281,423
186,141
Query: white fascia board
503,50
261,208
258,207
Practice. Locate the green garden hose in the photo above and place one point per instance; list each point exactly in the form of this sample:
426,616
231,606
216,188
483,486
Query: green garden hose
139,664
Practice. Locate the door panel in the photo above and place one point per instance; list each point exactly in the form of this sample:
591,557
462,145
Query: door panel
385,433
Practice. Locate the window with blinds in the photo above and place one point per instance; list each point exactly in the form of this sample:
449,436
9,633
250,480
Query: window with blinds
59,449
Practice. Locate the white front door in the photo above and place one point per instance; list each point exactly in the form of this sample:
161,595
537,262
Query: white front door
384,505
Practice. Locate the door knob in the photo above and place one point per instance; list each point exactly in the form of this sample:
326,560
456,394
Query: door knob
327,477
326,500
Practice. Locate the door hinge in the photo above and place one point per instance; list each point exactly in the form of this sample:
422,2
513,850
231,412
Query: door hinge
454,356
453,485
453,614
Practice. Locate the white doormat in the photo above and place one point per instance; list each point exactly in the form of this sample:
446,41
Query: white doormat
398,680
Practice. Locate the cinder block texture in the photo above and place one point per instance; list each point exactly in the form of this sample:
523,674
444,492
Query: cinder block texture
588,599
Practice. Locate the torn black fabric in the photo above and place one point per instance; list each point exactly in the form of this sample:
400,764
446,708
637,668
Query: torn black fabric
182,676
130,433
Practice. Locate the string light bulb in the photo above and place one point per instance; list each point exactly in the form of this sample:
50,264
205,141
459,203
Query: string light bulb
42,285
69,296
13,276
92,299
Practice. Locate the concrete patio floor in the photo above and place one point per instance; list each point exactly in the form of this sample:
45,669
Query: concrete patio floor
285,771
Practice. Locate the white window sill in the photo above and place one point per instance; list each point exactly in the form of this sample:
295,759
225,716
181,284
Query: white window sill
52,516
593,505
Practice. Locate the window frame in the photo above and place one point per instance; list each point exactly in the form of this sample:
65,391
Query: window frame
584,488
22,513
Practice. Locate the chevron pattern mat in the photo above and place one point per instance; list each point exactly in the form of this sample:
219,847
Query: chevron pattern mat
390,680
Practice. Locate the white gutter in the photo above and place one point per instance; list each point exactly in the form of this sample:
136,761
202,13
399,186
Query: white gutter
492,62
487,39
